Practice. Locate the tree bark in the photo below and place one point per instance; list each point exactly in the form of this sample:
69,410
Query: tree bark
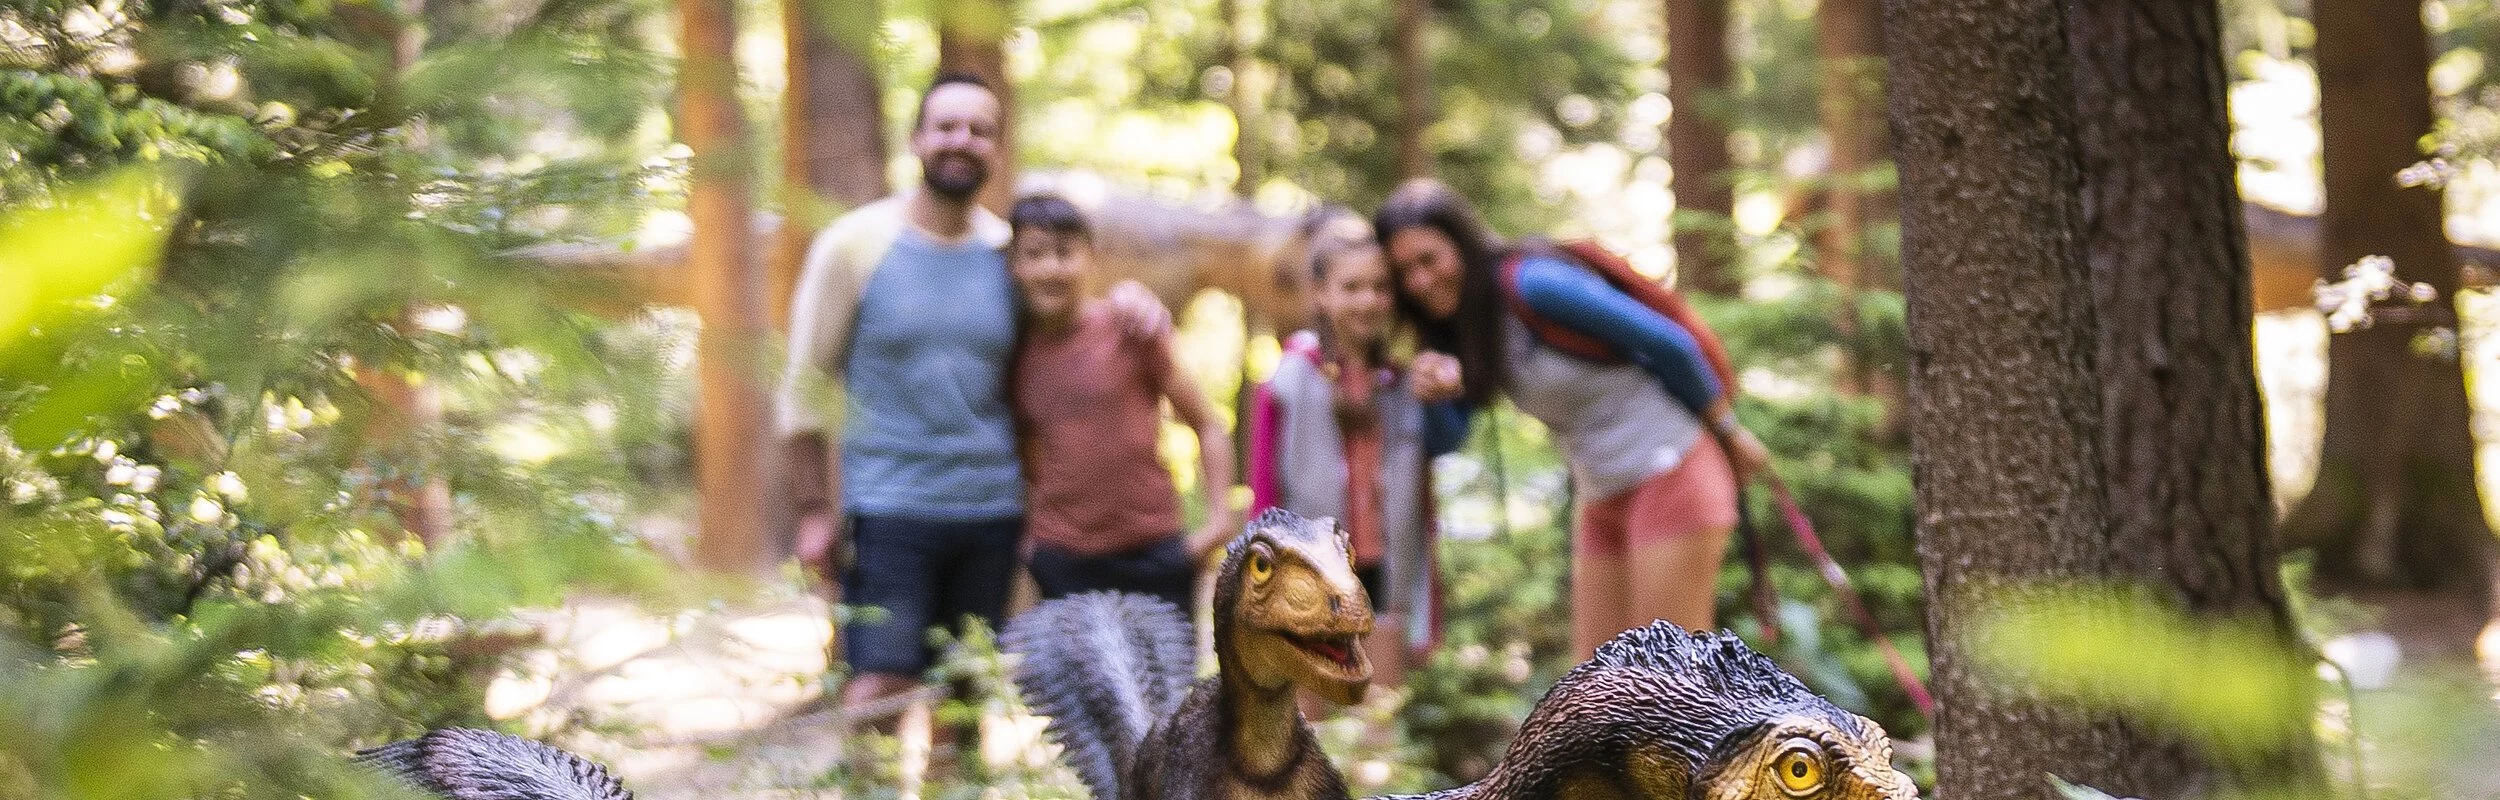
1697,154
2395,514
972,39
2005,405
2189,509
730,451
1231,53
1406,34
1848,47
832,127
1849,41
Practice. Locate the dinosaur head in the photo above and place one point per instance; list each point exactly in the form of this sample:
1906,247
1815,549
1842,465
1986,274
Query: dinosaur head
1289,610
1661,714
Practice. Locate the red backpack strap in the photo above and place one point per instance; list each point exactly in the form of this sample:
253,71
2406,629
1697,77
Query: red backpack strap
1547,331
1667,302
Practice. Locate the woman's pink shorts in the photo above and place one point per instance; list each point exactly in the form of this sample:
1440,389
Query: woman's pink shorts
1699,494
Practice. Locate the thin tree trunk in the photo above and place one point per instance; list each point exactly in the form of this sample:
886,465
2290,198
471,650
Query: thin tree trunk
2189,508
972,39
730,451
1697,154
421,501
2395,509
1849,45
2005,420
1240,97
832,127
1414,87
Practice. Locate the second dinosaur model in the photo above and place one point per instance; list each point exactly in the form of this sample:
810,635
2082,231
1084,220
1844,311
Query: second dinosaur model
1663,714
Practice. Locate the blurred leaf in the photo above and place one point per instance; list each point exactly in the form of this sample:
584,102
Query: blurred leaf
91,239
2227,683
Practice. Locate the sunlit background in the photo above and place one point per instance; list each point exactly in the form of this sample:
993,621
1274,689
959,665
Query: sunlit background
284,282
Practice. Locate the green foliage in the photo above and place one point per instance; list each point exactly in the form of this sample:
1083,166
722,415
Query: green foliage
1844,458
1318,81
251,232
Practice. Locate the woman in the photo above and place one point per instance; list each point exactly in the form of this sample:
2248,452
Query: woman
1648,432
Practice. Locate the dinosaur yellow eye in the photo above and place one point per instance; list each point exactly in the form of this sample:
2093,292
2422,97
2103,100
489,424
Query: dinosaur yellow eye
1800,767
1260,567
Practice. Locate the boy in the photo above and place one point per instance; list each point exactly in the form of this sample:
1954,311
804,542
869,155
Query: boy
1100,508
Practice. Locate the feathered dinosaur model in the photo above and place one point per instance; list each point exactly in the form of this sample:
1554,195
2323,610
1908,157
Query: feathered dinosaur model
1110,670
1658,714
1661,714
470,764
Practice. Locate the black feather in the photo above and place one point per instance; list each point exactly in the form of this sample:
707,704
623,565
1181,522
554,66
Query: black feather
471,764
1103,667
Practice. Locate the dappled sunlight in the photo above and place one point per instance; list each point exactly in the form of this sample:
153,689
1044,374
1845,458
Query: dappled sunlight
319,429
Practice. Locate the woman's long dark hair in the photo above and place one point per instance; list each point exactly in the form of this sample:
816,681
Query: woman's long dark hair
1474,334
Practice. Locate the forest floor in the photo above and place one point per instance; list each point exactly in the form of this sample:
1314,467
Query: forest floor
714,705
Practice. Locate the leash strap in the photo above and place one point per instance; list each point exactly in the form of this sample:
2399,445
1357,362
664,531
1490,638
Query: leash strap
1764,596
1839,580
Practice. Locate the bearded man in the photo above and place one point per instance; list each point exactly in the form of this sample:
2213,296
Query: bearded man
893,409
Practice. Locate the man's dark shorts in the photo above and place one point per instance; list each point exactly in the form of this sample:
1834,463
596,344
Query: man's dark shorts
923,573
1163,569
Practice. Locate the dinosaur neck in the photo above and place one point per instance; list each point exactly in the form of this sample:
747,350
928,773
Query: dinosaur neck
1547,759
1261,726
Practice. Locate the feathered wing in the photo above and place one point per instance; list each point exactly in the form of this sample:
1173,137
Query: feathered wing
470,764
1104,667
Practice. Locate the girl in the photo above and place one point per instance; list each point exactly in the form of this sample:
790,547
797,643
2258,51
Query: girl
1337,433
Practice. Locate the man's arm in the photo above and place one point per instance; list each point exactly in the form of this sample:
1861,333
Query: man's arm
815,492
806,405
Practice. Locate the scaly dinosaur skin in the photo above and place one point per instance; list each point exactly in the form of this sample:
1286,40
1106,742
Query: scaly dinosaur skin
1661,714
1288,612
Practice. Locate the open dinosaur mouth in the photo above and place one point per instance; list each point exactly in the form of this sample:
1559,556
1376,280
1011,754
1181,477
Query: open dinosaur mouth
1338,650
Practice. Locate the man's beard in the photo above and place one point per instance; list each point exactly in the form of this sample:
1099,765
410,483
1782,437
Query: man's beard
955,186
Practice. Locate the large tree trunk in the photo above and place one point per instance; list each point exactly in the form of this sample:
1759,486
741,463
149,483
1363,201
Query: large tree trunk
1697,155
1849,41
1406,33
2395,515
2005,420
2189,509
832,127
972,39
730,451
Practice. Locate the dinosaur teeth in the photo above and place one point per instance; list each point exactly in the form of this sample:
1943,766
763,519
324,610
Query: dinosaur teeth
1338,650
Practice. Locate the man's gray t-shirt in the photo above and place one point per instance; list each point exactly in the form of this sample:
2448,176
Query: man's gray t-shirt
927,431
